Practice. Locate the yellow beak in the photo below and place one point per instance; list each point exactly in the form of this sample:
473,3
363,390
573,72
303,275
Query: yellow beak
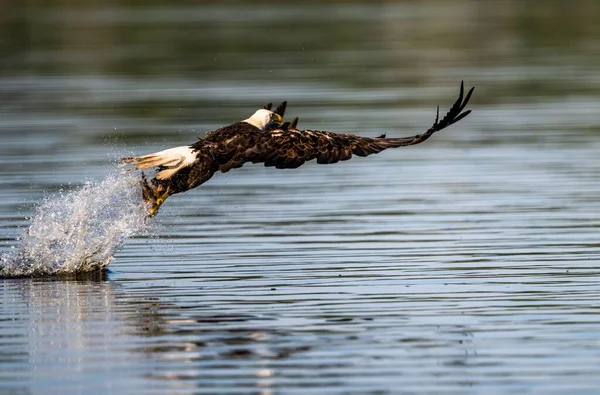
276,120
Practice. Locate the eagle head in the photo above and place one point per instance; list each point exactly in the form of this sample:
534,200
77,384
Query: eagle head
265,119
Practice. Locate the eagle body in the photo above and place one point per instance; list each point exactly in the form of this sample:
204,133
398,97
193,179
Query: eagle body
218,150
273,143
224,144
181,168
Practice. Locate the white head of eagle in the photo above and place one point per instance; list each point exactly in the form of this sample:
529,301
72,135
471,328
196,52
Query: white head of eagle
263,119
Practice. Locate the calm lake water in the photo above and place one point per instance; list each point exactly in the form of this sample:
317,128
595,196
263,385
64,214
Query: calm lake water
466,265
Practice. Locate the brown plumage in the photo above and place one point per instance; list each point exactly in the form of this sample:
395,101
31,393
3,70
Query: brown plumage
283,147
289,148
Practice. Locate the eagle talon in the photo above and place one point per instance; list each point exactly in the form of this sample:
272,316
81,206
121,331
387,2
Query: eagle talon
153,210
147,191
149,194
152,196
158,202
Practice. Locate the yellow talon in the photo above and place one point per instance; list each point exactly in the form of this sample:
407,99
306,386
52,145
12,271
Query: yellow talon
151,196
157,203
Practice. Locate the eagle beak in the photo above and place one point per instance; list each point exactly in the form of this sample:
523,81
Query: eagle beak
276,120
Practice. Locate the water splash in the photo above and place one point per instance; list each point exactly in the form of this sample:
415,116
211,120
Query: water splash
78,231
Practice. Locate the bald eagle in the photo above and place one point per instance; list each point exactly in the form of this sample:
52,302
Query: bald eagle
264,138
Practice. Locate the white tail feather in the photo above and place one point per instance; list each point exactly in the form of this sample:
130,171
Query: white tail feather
167,173
172,159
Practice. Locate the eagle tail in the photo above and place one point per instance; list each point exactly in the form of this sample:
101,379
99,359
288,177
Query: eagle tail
170,161
147,162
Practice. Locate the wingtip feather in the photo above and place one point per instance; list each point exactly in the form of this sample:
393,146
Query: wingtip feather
281,109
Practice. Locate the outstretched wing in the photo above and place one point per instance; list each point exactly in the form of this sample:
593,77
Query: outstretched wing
288,148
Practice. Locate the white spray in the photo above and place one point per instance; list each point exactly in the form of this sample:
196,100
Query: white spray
78,231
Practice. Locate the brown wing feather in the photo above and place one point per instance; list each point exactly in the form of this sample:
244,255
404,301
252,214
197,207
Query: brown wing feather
291,148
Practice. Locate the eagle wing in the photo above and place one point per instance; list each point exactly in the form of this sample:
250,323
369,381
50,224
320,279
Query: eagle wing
279,110
289,148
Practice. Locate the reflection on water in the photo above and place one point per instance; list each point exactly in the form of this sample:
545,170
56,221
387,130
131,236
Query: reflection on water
70,325
465,265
